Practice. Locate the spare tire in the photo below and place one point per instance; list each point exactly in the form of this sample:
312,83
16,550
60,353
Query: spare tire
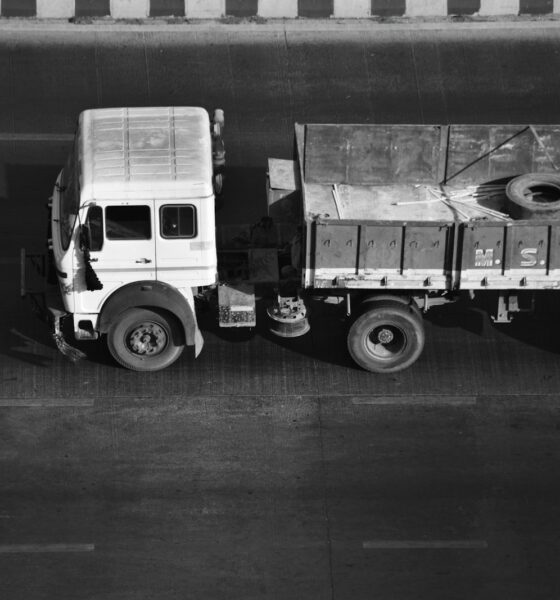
534,196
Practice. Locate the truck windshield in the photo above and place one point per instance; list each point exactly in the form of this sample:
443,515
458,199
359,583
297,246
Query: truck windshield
69,200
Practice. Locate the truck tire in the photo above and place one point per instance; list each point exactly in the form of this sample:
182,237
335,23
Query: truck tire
534,196
386,338
144,340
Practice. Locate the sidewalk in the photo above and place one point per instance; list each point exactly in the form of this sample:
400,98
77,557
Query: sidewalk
283,9
262,25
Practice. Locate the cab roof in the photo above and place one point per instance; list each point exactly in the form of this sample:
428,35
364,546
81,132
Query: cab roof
136,153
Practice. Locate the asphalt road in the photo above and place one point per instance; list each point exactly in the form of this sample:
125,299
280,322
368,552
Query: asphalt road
267,468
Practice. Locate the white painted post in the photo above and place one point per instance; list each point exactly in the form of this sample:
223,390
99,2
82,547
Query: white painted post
55,9
498,7
205,9
426,8
130,9
352,9
278,9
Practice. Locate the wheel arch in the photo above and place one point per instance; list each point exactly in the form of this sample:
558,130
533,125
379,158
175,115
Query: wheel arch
152,295
366,301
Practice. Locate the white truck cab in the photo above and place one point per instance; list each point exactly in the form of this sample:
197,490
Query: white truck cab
133,228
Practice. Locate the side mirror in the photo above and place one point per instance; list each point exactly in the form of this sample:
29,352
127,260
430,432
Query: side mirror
85,238
91,232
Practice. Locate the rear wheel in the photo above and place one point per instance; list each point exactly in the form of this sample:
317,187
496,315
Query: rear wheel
387,337
145,340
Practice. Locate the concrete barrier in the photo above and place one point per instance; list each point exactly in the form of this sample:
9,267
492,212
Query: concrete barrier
498,7
55,9
130,9
205,9
276,9
426,8
350,9
214,9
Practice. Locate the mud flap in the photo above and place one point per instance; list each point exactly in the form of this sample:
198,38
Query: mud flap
195,334
45,299
198,342
56,317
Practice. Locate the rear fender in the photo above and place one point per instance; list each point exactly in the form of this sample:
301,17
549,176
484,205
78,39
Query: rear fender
366,301
151,294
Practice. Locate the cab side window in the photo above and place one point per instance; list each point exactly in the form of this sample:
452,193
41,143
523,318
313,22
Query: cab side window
128,223
178,221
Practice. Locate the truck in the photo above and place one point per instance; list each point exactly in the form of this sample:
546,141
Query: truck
385,221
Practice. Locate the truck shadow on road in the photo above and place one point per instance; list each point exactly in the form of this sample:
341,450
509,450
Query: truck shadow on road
34,350
325,342
458,323
540,329
28,339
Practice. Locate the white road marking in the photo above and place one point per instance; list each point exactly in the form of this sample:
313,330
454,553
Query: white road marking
38,548
425,544
45,402
410,399
35,137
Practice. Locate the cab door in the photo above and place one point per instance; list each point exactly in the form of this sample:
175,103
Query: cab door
121,248
185,242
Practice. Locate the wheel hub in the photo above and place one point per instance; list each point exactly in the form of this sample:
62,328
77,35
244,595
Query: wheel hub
147,338
386,342
385,336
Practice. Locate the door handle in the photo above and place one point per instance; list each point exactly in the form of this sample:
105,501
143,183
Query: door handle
143,260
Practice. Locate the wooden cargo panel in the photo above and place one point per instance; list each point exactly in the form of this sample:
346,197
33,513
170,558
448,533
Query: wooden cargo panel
352,254
518,255
483,248
371,154
485,153
381,247
425,247
336,246
528,248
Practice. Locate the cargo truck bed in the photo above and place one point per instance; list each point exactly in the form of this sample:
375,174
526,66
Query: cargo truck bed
424,207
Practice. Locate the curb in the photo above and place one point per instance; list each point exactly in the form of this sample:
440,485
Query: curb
236,24
232,25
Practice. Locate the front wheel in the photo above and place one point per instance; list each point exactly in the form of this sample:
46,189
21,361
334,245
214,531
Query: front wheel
144,340
388,337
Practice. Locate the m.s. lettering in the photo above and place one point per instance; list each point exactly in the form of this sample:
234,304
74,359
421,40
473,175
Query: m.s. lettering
529,257
484,257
